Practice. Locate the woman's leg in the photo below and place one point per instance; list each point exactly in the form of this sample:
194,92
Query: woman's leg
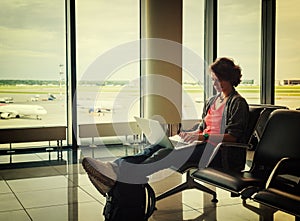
140,157
135,169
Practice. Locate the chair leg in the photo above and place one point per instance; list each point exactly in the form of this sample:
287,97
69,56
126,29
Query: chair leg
265,213
173,191
190,183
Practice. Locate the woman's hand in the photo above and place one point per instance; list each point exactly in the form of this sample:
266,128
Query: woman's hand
190,137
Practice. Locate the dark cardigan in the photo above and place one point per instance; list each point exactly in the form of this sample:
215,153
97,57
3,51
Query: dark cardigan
235,116
234,122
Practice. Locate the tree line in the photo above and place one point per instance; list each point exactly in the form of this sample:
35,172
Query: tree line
57,82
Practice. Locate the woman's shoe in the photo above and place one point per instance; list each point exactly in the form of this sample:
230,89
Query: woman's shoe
101,174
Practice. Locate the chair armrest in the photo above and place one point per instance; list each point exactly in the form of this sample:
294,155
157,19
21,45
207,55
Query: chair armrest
286,172
238,145
284,177
282,190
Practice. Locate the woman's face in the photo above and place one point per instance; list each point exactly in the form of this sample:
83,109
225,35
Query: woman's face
216,82
220,85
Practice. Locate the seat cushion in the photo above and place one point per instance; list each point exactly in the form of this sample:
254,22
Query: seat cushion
280,200
231,181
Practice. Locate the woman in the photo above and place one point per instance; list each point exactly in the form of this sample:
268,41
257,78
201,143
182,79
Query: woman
224,119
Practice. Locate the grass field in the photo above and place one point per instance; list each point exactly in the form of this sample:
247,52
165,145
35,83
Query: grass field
255,89
291,93
23,89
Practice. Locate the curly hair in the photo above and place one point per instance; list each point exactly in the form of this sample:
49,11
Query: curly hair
226,70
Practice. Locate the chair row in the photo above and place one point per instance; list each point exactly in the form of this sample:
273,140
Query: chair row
257,120
273,178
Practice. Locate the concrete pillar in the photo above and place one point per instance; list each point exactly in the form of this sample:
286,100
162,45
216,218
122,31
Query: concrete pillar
162,59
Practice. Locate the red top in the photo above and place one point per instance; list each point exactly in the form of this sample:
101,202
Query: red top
213,119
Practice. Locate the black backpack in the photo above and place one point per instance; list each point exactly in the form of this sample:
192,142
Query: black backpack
134,202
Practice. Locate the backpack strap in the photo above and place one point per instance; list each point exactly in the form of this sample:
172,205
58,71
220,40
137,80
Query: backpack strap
150,202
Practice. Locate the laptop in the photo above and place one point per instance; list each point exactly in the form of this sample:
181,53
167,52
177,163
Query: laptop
155,134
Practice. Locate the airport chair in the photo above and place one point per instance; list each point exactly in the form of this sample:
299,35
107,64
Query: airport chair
282,191
266,110
190,183
279,139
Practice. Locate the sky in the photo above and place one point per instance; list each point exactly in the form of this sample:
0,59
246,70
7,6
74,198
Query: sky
32,35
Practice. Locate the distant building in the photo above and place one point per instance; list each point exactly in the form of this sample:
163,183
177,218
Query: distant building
248,81
291,82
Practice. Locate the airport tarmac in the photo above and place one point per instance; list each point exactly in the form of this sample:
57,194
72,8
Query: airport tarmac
119,107
116,107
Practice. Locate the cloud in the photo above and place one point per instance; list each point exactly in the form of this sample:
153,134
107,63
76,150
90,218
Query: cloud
34,30
32,14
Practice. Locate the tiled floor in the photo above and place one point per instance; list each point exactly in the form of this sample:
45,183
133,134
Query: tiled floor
52,192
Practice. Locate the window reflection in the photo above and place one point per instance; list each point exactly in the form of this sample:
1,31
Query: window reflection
32,63
193,65
287,77
239,24
108,60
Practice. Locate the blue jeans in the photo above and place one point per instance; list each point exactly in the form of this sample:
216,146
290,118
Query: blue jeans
136,168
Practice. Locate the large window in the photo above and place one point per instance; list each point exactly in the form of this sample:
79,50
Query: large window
32,63
193,59
239,31
287,77
33,58
108,60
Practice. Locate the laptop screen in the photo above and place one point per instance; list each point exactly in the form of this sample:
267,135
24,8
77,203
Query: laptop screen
154,132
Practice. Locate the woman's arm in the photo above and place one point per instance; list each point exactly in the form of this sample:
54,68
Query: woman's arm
215,138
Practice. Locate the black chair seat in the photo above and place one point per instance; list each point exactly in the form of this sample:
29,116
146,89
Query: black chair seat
282,190
229,180
280,200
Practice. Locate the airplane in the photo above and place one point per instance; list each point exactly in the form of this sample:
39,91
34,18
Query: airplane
19,110
51,97
104,107
6,100
99,110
